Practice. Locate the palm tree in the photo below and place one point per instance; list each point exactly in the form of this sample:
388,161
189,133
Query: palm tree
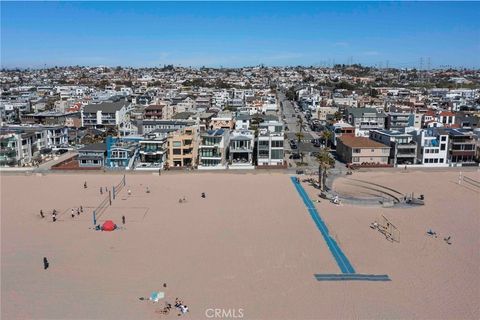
327,135
325,161
299,136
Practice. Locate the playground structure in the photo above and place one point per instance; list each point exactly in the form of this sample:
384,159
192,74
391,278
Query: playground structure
388,229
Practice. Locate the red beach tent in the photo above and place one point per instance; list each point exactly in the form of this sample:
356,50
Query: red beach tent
108,225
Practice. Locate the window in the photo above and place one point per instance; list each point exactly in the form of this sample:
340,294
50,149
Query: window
372,150
444,138
442,146
177,144
263,154
427,150
435,160
356,150
177,151
441,160
437,151
263,144
277,154
277,144
355,159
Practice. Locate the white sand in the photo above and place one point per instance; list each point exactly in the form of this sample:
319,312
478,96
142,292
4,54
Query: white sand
249,245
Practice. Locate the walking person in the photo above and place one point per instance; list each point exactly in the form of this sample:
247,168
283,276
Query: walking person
101,190
41,214
81,209
45,263
85,185
123,219
78,212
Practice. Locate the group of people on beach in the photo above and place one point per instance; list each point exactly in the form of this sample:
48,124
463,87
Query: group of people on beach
181,308
54,213
433,234
77,210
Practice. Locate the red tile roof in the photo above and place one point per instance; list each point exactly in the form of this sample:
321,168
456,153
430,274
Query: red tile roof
360,142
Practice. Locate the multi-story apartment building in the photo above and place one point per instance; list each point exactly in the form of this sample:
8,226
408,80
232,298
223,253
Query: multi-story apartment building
147,126
270,148
432,147
241,149
183,147
213,149
361,150
403,148
105,114
153,150
365,119
399,120
153,112
462,145
22,145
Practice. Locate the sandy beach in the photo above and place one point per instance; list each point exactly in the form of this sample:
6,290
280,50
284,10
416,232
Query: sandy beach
249,247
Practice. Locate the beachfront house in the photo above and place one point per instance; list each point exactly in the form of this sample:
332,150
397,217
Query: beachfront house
92,155
241,149
270,149
120,153
213,148
182,147
153,150
432,147
403,147
362,151
461,147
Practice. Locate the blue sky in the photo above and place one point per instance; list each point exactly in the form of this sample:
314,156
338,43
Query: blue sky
239,33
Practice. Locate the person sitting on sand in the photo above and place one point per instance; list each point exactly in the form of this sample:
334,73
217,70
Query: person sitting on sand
129,192
183,309
447,239
180,201
85,185
203,194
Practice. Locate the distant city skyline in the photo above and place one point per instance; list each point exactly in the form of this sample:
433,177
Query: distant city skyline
236,34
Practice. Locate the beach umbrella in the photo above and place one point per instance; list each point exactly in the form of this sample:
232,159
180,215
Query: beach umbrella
157,295
108,225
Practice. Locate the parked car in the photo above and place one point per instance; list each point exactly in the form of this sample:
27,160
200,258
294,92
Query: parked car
294,156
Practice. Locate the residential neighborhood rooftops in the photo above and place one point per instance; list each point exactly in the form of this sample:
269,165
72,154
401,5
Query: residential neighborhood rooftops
360,142
218,132
105,106
95,147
